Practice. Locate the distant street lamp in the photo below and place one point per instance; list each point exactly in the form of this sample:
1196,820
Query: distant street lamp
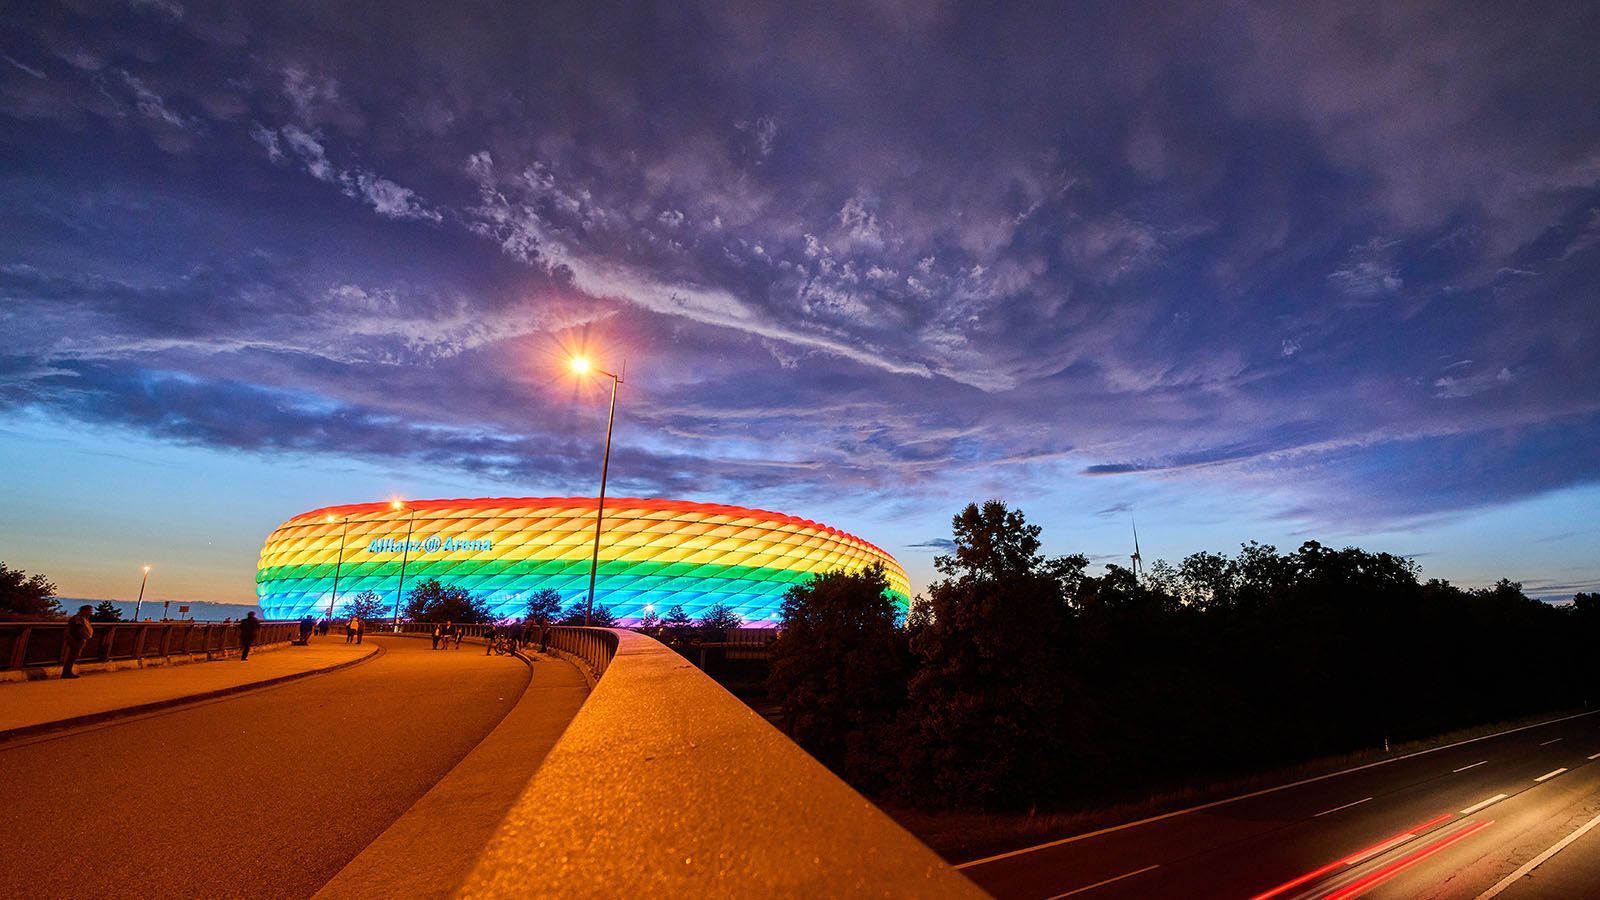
140,602
338,562
582,366
405,554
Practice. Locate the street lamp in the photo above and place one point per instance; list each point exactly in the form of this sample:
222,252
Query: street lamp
405,554
338,562
582,366
140,602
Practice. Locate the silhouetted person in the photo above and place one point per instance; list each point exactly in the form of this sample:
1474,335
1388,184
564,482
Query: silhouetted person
438,633
350,630
307,625
79,630
488,636
248,626
361,628
544,639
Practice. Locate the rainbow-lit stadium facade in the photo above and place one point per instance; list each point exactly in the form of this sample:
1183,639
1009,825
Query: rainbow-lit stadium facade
654,554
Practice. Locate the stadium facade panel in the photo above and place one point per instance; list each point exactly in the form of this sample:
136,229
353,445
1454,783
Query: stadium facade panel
654,554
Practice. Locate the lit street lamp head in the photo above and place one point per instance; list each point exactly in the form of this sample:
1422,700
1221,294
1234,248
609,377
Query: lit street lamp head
580,365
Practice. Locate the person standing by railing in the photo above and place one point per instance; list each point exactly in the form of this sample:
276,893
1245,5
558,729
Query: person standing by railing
79,630
248,626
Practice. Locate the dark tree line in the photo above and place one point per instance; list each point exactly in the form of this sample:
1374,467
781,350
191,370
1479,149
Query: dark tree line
1022,679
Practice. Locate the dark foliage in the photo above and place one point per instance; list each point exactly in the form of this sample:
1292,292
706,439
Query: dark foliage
431,601
599,617
839,669
366,606
677,629
719,619
24,597
106,611
1032,682
544,607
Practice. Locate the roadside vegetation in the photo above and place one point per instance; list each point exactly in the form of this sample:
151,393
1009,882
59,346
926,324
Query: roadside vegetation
1021,685
27,597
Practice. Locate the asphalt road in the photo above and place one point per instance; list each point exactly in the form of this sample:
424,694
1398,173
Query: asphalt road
1449,823
263,794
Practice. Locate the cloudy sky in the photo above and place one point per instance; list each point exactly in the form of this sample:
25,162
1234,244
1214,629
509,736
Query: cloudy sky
1275,272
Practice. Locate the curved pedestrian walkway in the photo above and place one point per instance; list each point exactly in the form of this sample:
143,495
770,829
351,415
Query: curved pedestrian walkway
266,793
30,707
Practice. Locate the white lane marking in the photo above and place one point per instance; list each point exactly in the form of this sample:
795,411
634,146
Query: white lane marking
1480,805
1261,793
1091,887
1548,743
1473,766
1382,848
1337,808
1549,775
1595,756
1539,860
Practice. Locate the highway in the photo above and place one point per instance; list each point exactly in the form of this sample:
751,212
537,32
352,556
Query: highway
261,794
1516,815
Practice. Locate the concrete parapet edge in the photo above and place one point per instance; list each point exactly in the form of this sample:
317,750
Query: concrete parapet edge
140,709
664,784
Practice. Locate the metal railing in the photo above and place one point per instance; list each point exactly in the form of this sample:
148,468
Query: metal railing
593,646
26,645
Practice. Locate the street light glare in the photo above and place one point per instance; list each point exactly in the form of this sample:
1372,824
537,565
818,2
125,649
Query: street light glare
580,364
147,568
395,504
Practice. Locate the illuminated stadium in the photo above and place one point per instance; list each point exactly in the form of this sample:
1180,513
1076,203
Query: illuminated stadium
654,554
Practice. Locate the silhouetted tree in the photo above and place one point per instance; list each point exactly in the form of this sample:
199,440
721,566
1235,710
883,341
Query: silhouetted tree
106,611
24,597
676,627
544,607
649,623
599,617
839,669
431,601
985,708
366,606
719,619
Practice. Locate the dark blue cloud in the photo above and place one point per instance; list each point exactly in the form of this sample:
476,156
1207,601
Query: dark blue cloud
874,246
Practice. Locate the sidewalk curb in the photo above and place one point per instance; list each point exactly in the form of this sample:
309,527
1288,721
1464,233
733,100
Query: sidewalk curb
26,731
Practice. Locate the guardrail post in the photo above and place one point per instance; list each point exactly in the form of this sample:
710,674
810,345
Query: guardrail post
19,650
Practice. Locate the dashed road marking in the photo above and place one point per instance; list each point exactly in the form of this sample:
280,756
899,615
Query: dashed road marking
1482,803
1337,808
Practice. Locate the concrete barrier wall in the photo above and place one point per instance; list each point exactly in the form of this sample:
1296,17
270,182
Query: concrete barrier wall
664,784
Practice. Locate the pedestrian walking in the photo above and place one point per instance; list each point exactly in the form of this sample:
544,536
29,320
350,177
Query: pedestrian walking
350,631
488,646
438,633
79,630
248,626
361,628
307,625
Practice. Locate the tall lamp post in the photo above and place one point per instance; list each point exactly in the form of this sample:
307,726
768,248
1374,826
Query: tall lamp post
405,554
338,562
582,366
140,602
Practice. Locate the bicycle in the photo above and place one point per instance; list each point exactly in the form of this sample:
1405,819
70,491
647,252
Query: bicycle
502,645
